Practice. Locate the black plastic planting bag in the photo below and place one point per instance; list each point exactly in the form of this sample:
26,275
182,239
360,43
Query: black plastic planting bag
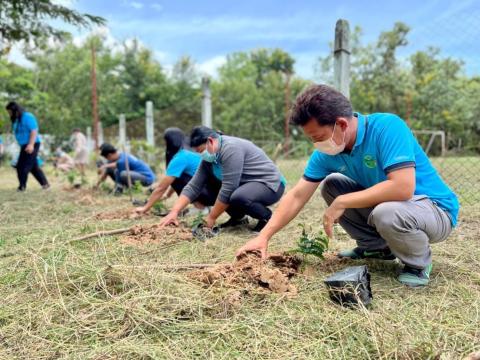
351,286
201,232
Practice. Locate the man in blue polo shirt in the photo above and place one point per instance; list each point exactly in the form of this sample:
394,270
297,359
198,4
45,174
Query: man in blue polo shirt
117,168
378,182
25,128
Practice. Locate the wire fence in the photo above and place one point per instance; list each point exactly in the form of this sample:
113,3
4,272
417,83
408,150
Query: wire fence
460,171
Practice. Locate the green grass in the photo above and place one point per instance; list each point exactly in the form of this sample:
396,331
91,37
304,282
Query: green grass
69,300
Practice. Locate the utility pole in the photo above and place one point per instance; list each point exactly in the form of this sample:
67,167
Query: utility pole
94,99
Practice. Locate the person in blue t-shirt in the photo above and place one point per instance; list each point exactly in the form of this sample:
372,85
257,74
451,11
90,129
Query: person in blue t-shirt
181,166
117,168
25,128
2,148
377,181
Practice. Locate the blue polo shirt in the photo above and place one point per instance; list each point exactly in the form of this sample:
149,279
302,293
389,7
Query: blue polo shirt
136,165
22,128
384,143
184,161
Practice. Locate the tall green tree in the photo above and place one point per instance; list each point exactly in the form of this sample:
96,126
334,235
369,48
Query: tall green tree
29,20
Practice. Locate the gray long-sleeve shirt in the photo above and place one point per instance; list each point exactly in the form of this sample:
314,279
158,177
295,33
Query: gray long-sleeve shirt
241,161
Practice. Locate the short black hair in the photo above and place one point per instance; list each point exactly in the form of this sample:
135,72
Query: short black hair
322,103
200,134
106,149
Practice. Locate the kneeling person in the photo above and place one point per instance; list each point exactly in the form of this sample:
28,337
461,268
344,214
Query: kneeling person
116,168
378,182
181,166
248,181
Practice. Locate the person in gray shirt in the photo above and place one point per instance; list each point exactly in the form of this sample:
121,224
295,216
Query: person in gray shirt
249,180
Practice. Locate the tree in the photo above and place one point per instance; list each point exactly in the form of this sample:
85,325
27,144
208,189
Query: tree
28,20
249,96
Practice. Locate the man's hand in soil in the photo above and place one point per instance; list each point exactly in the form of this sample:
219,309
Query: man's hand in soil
170,219
256,244
209,222
332,215
141,210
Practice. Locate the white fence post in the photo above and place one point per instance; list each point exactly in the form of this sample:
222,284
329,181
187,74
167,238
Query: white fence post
206,102
341,57
122,130
149,123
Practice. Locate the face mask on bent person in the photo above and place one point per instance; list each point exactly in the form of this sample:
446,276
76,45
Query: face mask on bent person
208,157
329,146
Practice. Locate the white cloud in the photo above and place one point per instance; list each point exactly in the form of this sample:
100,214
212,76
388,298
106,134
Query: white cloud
16,55
210,66
66,3
156,6
136,5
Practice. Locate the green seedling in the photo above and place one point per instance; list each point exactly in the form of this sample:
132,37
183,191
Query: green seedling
159,208
137,188
71,176
311,244
199,220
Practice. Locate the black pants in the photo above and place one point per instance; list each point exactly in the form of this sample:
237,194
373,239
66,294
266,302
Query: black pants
252,199
28,163
209,193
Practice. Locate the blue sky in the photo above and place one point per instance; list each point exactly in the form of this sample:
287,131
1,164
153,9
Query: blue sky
208,30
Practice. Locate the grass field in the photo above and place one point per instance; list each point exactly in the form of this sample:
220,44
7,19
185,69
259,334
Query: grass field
101,299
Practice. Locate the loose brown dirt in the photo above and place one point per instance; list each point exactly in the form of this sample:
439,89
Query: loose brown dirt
250,272
154,234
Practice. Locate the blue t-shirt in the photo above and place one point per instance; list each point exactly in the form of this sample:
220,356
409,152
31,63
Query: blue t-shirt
385,143
184,161
136,165
22,128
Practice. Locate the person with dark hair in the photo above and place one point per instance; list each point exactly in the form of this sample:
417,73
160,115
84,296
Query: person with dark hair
2,149
248,181
181,166
117,168
25,128
377,181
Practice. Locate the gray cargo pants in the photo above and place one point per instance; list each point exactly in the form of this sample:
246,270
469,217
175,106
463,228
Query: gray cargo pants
406,227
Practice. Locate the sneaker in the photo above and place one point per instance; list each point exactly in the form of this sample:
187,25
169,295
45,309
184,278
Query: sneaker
234,222
415,277
20,189
359,253
46,187
260,225
118,191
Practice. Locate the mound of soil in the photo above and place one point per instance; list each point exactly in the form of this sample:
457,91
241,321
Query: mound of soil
154,234
252,273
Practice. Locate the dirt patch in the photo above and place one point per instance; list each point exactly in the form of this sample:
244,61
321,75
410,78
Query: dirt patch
120,214
331,262
252,273
154,234
84,196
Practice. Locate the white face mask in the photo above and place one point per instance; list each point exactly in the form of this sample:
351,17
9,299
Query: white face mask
329,146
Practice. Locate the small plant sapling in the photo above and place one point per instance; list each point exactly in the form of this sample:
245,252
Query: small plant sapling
159,208
311,244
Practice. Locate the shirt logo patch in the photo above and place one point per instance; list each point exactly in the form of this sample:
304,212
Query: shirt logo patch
370,161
